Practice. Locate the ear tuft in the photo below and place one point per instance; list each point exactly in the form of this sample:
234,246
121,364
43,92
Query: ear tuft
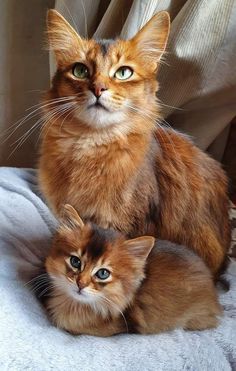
70,218
62,37
151,40
140,247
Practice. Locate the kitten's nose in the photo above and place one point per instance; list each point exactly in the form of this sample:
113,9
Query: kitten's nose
98,88
80,285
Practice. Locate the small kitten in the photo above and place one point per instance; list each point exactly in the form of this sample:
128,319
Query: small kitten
102,284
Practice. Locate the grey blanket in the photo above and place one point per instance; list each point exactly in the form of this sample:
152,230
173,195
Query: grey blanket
29,342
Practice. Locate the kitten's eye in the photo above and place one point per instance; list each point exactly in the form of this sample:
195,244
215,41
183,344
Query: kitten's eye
75,262
102,274
124,73
80,71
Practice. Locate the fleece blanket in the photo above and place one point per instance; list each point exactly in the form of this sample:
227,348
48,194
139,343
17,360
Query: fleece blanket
29,342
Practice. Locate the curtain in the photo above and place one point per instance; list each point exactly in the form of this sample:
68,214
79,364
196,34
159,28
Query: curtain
24,73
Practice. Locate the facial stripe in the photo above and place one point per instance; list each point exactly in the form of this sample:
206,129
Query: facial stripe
96,245
104,45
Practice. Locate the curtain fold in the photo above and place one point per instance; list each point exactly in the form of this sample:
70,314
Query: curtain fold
24,73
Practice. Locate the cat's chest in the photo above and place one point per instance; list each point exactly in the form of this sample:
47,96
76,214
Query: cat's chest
95,178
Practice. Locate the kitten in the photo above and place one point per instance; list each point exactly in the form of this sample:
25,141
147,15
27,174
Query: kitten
103,152
103,284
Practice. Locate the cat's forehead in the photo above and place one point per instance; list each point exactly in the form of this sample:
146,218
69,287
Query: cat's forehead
103,53
92,242
105,45
99,242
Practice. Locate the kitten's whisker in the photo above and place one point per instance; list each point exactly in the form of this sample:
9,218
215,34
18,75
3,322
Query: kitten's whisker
43,275
116,308
48,288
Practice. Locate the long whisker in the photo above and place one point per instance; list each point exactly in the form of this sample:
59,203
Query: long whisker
43,275
30,115
70,109
165,135
116,308
58,110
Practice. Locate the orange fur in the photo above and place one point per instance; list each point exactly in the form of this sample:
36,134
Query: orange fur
171,288
114,165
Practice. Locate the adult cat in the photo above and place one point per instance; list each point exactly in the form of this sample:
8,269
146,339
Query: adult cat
103,152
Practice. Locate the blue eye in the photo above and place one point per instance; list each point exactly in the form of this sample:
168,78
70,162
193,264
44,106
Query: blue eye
102,274
75,262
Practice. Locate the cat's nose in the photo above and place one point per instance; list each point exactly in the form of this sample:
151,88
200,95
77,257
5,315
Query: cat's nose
98,89
80,285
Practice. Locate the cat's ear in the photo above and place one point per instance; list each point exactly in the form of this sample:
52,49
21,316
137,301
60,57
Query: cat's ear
62,38
151,40
70,218
140,247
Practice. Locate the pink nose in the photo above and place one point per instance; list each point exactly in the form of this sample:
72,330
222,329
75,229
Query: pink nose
80,285
98,88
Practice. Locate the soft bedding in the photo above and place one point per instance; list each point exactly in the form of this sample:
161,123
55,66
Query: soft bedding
29,342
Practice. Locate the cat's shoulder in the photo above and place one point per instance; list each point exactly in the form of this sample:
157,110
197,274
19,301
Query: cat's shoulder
169,134
178,252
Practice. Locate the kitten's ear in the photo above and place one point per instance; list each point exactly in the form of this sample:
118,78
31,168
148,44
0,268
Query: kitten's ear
151,40
62,38
70,218
140,247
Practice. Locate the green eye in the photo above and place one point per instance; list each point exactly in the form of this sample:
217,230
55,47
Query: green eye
75,262
124,73
103,274
80,71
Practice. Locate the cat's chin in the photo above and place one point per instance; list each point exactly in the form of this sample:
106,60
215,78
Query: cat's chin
98,117
95,303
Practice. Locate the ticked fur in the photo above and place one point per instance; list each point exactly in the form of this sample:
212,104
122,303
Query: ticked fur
146,292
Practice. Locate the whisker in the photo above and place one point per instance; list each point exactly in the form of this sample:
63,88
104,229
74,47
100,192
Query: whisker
122,314
58,110
165,134
43,275
29,116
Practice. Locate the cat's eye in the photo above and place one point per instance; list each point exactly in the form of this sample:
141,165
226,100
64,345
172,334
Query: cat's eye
75,262
124,73
102,274
80,71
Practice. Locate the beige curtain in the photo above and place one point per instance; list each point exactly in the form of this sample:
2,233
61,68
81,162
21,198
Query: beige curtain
198,78
24,72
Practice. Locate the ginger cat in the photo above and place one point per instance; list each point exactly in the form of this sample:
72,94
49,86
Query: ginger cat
103,152
102,284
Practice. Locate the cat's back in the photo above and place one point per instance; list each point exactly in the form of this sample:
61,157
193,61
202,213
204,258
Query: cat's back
173,264
178,292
